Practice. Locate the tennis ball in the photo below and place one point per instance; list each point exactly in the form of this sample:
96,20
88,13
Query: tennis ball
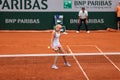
48,47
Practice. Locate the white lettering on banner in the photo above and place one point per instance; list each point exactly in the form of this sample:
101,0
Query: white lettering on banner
96,21
10,20
93,3
96,5
75,21
31,21
22,21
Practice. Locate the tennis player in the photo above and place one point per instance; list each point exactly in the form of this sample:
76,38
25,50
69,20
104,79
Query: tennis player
57,47
82,18
118,15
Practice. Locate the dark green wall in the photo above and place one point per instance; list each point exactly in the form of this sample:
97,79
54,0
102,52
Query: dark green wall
47,20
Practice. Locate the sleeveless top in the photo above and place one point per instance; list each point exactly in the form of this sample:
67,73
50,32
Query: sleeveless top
56,42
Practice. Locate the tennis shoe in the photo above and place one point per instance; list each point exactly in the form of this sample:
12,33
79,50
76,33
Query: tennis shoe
77,31
54,67
67,64
88,31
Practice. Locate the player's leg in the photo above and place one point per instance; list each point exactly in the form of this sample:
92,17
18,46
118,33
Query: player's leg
61,50
118,22
54,66
118,25
79,26
55,60
86,25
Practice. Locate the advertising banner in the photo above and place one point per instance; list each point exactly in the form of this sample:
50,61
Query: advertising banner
57,5
39,14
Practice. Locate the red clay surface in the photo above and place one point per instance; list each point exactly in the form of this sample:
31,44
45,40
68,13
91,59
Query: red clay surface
39,68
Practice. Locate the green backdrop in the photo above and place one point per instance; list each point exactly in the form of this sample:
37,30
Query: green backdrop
46,20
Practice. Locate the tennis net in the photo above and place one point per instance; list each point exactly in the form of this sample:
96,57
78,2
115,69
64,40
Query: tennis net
52,54
38,65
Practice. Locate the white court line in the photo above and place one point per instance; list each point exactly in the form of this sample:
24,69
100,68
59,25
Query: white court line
108,58
22,31
79,65
83,45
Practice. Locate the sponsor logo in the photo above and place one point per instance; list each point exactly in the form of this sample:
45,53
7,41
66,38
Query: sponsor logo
67,4
22,21
91,21
93,3
23,4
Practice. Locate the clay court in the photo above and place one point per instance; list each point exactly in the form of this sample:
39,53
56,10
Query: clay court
98,67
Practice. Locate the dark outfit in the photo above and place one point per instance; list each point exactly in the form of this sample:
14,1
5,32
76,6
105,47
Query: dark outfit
80,24
83,15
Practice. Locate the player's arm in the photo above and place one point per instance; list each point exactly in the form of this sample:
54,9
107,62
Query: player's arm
79,16
86,19
52,38
86,15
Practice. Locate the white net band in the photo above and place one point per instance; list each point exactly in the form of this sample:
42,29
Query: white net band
67,54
